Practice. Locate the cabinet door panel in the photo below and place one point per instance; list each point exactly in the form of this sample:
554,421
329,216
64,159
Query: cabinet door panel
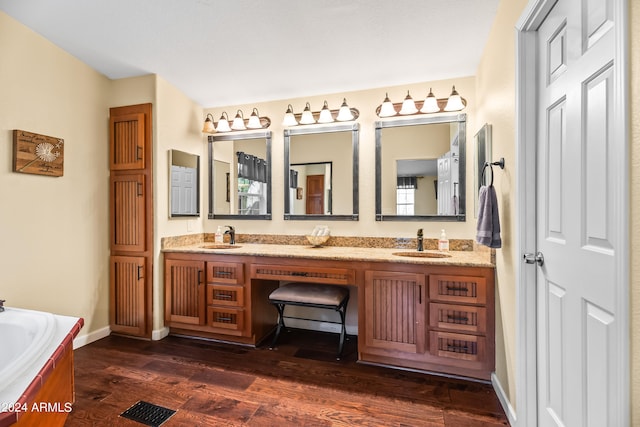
458,317
184,292
460,347
127,212
395,311
229,319
225,295
225,272
127,142
127,306
458,289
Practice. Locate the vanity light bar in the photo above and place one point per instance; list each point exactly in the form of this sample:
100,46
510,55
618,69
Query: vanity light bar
239,123
430,105
308,117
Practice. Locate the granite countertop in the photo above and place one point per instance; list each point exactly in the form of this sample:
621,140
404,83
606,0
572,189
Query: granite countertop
466,258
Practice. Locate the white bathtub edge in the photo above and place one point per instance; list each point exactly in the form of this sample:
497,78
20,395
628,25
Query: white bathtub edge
82,340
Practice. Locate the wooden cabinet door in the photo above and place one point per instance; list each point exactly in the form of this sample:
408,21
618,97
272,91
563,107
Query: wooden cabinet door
127,307
395,311
127,143
128,212
185,300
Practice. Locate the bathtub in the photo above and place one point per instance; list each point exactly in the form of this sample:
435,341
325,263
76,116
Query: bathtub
31,344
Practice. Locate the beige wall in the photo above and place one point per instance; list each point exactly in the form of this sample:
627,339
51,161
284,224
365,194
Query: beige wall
54,246
634,99
177,124
495,84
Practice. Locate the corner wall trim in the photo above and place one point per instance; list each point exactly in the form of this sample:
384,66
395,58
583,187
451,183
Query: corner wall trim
158,334
82,340
504,401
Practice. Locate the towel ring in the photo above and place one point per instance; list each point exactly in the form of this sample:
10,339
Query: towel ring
490,165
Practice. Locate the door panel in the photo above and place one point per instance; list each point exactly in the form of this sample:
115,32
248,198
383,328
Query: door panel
128,229
127,141
127,295
575,221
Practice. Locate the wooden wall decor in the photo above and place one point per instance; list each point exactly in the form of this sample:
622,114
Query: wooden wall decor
37,154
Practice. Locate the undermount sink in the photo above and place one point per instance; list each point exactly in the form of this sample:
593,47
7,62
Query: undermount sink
417,254
220,246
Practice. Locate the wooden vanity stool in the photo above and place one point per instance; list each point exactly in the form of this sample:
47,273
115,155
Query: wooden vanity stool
311,295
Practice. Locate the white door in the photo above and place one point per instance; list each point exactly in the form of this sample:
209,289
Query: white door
578,172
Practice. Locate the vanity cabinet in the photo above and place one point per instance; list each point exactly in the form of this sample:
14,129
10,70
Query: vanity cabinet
210,296
446,326
427,317
395,309
184,292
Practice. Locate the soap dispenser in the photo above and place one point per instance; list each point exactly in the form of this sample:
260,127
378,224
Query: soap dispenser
443,242
218,236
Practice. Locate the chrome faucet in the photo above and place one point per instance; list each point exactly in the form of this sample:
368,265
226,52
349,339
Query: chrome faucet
1,305
232,234
420,247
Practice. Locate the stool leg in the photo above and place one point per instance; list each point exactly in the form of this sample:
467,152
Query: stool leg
343,330
280,308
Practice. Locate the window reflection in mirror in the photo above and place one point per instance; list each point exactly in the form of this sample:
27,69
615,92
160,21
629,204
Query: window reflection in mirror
321,172
420,168
184,182
240,173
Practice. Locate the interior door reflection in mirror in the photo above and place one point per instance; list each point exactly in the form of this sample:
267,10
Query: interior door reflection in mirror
419,166
241,177
184,181
322,172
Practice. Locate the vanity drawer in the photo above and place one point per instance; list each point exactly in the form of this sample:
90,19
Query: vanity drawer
225,295
470,348
225,272
225,318
336,276
462,318
458,289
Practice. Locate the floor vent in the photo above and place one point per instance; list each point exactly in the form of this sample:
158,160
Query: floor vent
148,413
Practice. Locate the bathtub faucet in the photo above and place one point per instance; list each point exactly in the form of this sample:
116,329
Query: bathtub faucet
1,305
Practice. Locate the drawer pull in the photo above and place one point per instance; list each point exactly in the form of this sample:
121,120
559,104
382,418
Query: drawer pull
223,273
457,318
223,319
457,348
457,289
299,273
223,296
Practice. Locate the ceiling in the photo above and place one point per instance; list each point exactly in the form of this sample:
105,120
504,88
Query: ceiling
246,51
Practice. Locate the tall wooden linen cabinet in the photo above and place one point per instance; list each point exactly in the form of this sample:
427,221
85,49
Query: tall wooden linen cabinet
131,220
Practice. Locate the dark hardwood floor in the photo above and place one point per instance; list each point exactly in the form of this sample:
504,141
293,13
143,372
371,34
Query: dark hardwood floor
298,384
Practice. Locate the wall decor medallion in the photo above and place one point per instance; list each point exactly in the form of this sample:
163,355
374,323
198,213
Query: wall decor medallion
37,154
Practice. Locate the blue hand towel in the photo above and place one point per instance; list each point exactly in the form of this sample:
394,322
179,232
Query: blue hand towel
488,229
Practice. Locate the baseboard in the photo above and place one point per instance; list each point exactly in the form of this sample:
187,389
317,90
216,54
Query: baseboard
504,400
82,340
158,334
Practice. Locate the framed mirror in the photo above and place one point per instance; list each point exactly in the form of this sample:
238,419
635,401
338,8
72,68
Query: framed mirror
482,141
321,172
240,175
184,184
420,168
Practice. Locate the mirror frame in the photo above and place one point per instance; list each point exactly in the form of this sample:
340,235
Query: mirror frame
266,135
461,119
314,129
178,215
